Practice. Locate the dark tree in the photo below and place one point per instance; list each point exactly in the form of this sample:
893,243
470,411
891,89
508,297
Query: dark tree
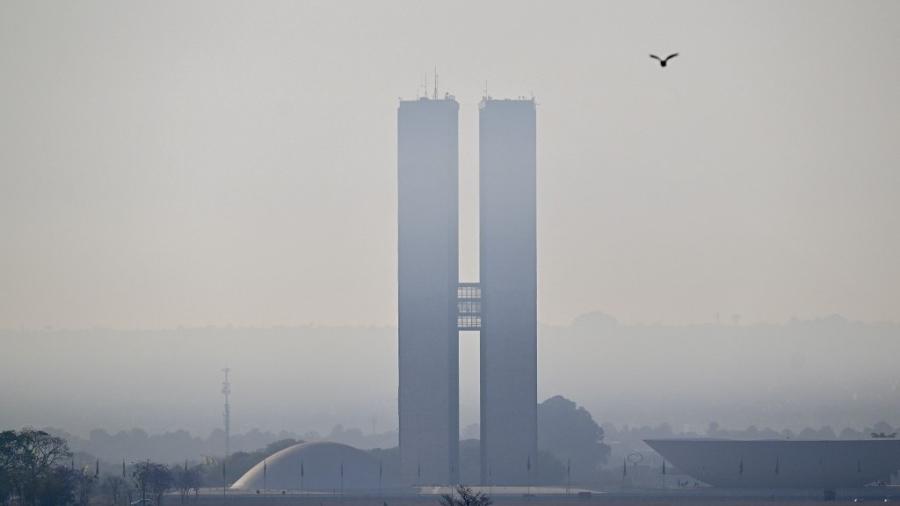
187,479
57,488
28,465
570,433
6,486
84,486
465,496
549,470
153,479
114,487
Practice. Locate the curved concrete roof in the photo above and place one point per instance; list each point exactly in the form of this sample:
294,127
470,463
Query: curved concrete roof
323,464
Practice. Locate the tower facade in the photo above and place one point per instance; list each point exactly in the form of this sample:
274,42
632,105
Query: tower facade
508,265
428,275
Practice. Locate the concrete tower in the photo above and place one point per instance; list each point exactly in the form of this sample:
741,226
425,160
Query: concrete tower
428,272
508,265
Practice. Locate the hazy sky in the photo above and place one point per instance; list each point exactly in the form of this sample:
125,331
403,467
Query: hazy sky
311,378
195,163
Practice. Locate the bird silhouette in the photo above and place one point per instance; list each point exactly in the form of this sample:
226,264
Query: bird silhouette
663,61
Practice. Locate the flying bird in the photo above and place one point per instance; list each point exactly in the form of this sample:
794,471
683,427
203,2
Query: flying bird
663,61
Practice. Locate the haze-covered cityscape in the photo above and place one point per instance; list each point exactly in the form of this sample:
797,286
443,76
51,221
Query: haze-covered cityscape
416,253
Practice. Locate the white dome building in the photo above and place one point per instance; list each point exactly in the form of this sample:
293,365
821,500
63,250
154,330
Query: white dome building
317,466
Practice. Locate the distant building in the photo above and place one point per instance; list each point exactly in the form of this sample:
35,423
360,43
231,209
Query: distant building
428,272
508,264
434,306
826,465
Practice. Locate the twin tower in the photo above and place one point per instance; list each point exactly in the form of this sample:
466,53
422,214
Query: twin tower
434,306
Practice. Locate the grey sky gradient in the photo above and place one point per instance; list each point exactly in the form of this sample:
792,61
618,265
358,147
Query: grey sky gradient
214,163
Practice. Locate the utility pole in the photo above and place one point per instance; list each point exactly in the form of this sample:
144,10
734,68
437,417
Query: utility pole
528,467
224,483
144,484
226,391
127,484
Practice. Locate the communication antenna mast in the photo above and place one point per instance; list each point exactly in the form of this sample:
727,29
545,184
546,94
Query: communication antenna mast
226,390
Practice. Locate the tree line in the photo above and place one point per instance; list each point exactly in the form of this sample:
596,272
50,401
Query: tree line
38,469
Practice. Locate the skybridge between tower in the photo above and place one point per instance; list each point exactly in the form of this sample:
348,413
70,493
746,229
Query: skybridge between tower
468,307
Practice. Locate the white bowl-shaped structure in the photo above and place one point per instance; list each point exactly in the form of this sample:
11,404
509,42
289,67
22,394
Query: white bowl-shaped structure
318,466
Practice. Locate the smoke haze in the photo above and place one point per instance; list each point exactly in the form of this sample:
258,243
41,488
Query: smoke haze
216,163
186,186
804,373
